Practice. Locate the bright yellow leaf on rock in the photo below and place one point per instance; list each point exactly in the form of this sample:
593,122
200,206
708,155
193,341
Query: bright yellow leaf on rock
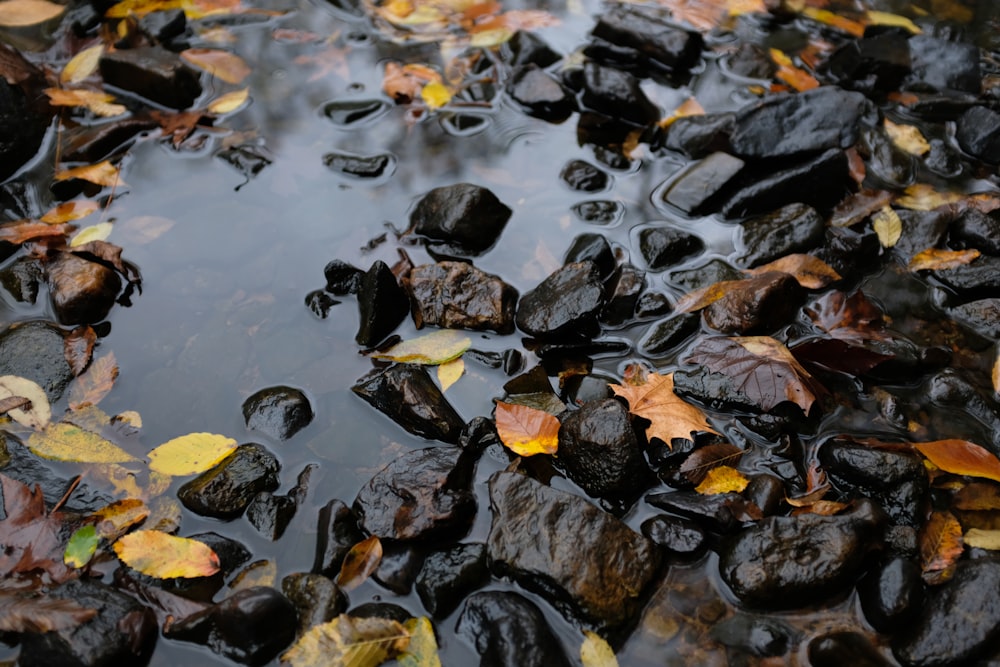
907,138
191,454
596,652
230,102
99,232
227,66
422,650
20,13
722,479
435,95
449,372
66,442
527,431
885,18
158,554
888,227
103,173
360,563
70,211
437,347
82,65
348,642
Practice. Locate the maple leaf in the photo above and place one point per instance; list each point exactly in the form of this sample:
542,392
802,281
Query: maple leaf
31,537
669,415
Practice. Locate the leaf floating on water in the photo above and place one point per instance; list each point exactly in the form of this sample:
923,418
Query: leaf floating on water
99,232
20,13
422,651
907,138
227,66
91,387
937,259
116,519
81,546
722,479
70,211
229,102
360,563
191,454
527,431
101,104
983,539
434,348
164,556
82,65
923,197
66,442
258,573
690,107
702,460
826,17
961,457
811,272
669,415
103,173
449,372
888,227
435,95
995,375
940,546
38,413
27,230
596,652
348,642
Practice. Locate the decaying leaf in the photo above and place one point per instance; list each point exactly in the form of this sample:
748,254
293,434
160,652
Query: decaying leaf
980,538
961,457
164,556
229,102
101,104
66,442
20,13
191,454
94,385
32,538
116,519
103,173
227,66
81,546
403,83
888,227
722,479
703,459
706,296
526,431
27,230
82,65
907,138
422,650
358,642
937,259
923,197
811,272
940,546
449,372
359,563
27,612
37,414
596,652
99,232
669,416
690,107
70,211
437,347
78,348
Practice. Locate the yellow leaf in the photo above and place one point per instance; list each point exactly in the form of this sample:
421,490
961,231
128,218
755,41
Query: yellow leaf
359,563
66,442
983,539
82,65
435,95
229,102
70,211
222,64
690,107
722,479
486,39
157,554
527,431
796,77
190,454
97,102
348,642
827,17
923,197
118,517
99,232
449,372
996,374
422,650
19,13
596,652
434,348
907,138
937,259
103,173
885,18
39,414
888,227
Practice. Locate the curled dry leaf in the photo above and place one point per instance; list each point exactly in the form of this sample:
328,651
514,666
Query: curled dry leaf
527,431
596,652
940,546
360,563
27,230
164,556
358,642
191,454
936,259
961,457
37,414
227,66
669,415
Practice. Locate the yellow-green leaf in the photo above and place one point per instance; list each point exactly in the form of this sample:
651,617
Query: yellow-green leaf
20,13
190,454
527,431
422,650
888,227
82,65
39,414
885,18
596,652
99,232
437,347
66,442
81,546
164,556
449,372
722,479
349,642
229,102
983,539
435,95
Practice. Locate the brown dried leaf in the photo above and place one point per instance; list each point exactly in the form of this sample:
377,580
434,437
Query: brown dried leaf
103,173
31,537
821,507
78,348
227,66
706,296
811,272
360,563
527,431
94,385
940,546
669,415
14,403
857,207
20,231
923,197
936,259
847,317
25,612
700,461
961,457
70,211
977,496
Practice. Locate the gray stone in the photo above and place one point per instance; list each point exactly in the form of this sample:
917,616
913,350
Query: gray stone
35,350
700,184
152,72
790,229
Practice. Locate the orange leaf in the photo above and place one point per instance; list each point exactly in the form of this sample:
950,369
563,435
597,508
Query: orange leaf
811,272
92,386
797,78
705,296
940,546
119,516
359,563
222,64
690,107
527,431
103,173
69,211
164,556
827,17
25,230
99,103
669,416
961,457
937,259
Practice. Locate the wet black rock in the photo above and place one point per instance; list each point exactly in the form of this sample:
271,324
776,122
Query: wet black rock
580,389
122,633
584,561
386,610
360,166
279,412
921,230
270,514
720,512
784,562
399,566
18,462
232,554
598,212
757,635
679,538
527,47
844,647
820,182
250,627
316,598
876,64
23,121
849,252
974,229
593,247
891,594
978,133
648,34
423,494
154,73
338,530
584,177
700,185
790,229
959,620
624,289
225,491
81,291
765,491
448,576
565,304
342,278
408,396
946,65
599,450
320,303
711,272
766,303
457,295
652,304
382,305
750,61
979,278
886,164
665,246
981,316
35,350
664,336
897,481
792,124
466,218
541,95
617,94
163,26
699,136
508,630
22,278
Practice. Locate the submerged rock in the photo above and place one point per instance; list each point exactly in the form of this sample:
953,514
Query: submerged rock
757,635
382,305
337,531
679,538
624,290
422,495
82,292
466,218
699,136
22,128
457,295
360,166
981,316
540,94
35,350
152,72
447,576
22,279
565,304
407,395
279,412
316,598
508,630
593,247
820,182
892,594
582,176
766,303
667,334
974,229
226,490
583,560
790,229
665,246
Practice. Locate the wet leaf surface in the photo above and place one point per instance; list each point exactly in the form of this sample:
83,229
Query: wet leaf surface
940,546
164,556
67,442
37,413
354,642
722,479
438,347
961,457
525,430
596,652
191,454
670,417
91,387
81,546
360,563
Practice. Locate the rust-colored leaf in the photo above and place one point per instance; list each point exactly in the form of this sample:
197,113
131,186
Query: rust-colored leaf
976,496
940,546
103,173
78,348
227,66
700,461
164,556
839,314
527,431
936,259
722,479
119,517
811,272
690,107
26,230
796,77
961,457
360,563
70,211
94,385
855,208
826,17
669,415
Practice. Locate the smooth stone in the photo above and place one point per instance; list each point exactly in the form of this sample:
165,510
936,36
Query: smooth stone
408,396
886,164
845,647
820,182
981,316
666,335
662,246
979,278
447,577
624,289
279,412
679,538
978,133
342,278
540,94
467,218
945,64
700,136
695,189
508,630
763,304
582,176
457,295
652,304
382,305
875,64
720,512
791,229
974,229
226,490
617,94
593,247
154,73
22,278
892,594
757,635
399,566
602,213
337,531
766,492
316,599
527,47
644,31
81,291
270,514
850,253
564,304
